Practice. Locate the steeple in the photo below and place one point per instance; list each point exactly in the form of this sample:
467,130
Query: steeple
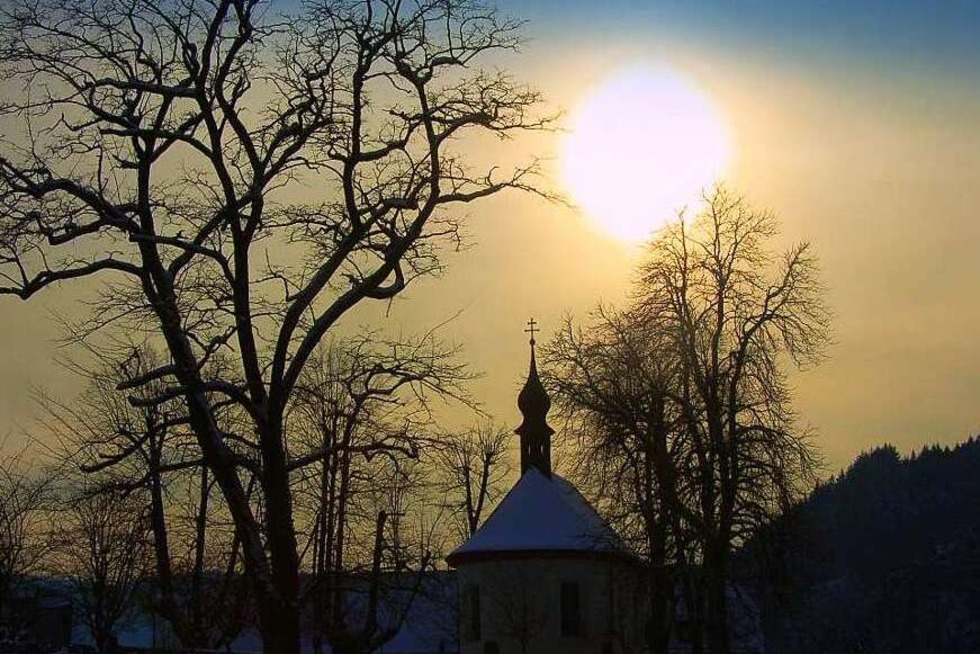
534,403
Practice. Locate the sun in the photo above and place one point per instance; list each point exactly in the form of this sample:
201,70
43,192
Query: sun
641,147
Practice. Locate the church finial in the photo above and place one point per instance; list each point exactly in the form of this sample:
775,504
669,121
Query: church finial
531,329
534,403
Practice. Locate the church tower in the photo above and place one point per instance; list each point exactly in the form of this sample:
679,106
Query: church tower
535,433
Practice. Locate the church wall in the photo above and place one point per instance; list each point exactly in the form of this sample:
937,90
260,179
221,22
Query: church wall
520,604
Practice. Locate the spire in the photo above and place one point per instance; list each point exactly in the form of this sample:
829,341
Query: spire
534,403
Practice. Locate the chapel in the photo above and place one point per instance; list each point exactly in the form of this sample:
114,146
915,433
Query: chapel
545,573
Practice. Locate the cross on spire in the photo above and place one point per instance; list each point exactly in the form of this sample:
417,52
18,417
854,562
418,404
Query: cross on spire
531,329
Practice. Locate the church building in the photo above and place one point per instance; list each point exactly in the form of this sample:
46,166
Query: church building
545,573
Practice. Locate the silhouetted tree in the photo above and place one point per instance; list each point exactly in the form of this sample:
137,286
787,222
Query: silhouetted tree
154,144
685,393
472,467
145,449
613,383
362,419
734,311
25,506
102,543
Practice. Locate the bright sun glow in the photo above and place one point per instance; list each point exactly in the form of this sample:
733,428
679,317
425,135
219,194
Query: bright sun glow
641,147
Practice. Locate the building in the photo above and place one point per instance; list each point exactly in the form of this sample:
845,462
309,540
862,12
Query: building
545,573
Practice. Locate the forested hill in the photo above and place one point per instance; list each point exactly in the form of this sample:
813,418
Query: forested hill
885,558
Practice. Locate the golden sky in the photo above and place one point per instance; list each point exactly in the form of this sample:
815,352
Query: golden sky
876,161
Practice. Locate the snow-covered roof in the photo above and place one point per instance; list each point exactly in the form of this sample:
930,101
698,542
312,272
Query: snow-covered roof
541,514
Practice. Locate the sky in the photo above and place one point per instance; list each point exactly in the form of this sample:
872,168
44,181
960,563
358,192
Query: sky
858,124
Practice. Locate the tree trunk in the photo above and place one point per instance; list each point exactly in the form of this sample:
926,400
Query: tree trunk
102,635
280,628
279,615
693,603
658,637
661,588
716,604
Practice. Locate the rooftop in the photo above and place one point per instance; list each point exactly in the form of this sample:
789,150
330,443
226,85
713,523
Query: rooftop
541,515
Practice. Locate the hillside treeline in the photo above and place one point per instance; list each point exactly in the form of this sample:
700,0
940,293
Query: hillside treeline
884,558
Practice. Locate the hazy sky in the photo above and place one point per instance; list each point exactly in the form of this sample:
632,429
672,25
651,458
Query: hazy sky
857,123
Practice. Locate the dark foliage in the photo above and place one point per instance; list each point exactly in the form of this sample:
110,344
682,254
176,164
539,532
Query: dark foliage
885,558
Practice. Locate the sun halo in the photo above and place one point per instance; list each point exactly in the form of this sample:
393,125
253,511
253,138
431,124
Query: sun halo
641,147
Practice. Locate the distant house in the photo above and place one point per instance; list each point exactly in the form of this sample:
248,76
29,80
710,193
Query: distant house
38,618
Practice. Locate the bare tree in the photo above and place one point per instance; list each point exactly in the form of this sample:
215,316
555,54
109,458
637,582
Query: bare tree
376,597
103,539
25,494
155,144
368,524
735,312
613,383
200,586
472,467
146,451
682,399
